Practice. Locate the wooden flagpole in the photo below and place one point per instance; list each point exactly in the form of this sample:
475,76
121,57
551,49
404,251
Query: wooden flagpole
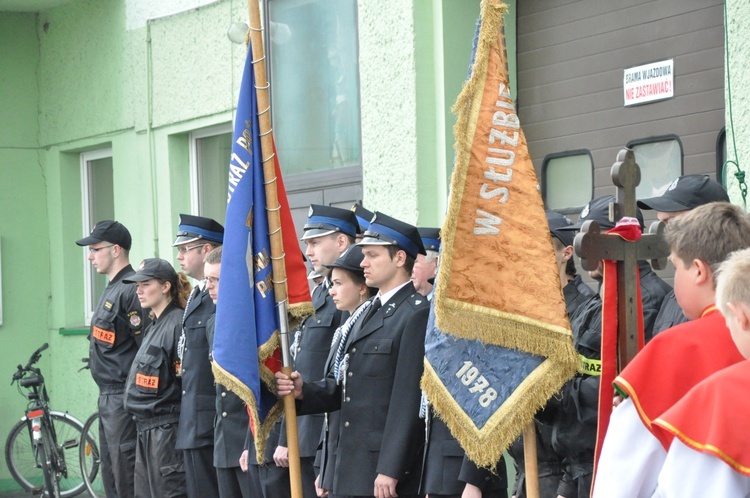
530,461
277,245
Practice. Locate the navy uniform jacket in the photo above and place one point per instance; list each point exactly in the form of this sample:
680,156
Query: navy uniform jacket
443,460
670,314
653,292
314,347
380,431
232,420
153,388
199,394
115,332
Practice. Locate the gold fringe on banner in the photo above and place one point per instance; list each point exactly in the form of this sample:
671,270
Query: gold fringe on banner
485,446
237,387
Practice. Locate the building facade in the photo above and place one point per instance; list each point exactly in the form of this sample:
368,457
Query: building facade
123,109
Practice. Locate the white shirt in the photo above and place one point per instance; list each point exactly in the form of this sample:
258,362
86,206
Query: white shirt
384,298
688,472
631,457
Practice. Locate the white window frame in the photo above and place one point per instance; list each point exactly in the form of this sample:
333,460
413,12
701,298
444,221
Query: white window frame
196,206
88,223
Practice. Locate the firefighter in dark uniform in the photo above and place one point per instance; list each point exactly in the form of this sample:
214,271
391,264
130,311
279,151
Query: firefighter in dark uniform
231,414
381,436
686,193
116,327
153,388
196,238
328,233
573,412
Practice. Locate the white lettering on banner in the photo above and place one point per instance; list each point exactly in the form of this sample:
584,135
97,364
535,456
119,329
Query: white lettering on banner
468,373
488,223
237,167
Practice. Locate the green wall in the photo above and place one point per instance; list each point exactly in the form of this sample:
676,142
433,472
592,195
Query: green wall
24,237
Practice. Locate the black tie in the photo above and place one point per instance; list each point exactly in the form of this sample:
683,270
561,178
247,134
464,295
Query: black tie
376,304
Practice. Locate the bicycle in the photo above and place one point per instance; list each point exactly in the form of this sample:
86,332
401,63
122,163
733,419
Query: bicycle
42,443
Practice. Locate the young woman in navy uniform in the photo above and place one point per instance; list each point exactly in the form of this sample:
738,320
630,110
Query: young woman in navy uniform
350,294
153,389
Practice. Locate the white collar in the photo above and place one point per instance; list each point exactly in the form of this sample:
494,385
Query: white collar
384,298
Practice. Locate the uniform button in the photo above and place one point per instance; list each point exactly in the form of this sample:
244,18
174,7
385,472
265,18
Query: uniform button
183,393
346,424
354,350
348,399
224,395
224,414
199,322
318,321
376,348
486,478
350,374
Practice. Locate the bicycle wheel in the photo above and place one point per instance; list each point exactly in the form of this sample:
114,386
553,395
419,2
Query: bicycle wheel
90,458
19,454
48,458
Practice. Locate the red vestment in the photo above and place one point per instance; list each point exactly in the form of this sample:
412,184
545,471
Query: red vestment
674,362
712,417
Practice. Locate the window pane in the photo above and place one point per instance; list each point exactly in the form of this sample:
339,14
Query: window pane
660,163
315,75
568,181
213,154
100,207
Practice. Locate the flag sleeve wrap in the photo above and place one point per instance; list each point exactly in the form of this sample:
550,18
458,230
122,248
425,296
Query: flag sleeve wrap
498,342
246,342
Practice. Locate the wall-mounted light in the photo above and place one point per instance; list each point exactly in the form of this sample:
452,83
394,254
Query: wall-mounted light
237,32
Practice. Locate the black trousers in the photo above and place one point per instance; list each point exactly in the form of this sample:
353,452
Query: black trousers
117,440
159,467
233,483
200,473
253,481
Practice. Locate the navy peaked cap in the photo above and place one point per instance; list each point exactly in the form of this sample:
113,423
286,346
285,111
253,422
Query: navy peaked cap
387,231
325,220
430,238
194,228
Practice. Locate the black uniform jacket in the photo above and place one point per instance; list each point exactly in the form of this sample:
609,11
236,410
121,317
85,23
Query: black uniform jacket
232,420
153,388
380,431
314,347
670,314
199,393
115,331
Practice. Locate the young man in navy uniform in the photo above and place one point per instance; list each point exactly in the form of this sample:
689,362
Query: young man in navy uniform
115,337
380,432
196,238
328,233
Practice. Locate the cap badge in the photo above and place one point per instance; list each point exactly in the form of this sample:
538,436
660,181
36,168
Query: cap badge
673,185
585,211
143,263
310,212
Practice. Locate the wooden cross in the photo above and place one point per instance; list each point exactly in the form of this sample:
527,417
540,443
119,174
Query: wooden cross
592,246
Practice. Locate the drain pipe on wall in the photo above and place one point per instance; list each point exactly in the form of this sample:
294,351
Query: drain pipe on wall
151,139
